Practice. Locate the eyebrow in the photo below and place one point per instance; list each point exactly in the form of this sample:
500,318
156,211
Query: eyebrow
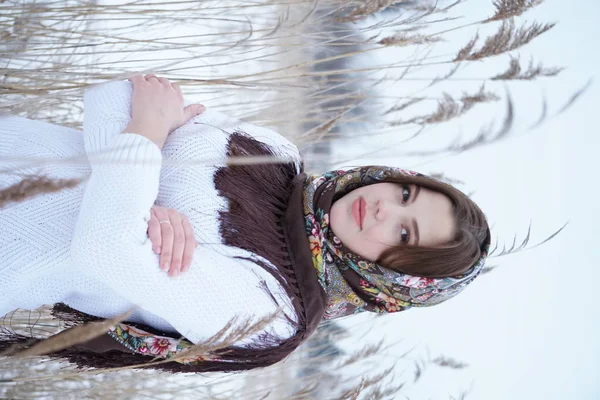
414,221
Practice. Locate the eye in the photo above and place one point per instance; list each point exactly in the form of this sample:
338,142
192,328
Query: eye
405,193
404,235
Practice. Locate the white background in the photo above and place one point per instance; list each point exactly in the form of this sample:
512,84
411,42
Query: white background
531,328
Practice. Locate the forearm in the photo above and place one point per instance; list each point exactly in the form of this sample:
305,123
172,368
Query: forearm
118,196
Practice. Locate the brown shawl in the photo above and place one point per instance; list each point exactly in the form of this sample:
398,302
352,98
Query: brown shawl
265,217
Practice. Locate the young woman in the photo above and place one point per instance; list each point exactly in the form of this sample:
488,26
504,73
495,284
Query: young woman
270,238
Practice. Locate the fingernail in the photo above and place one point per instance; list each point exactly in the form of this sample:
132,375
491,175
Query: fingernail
155,249
165,266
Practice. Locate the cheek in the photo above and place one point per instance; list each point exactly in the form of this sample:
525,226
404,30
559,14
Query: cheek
370,245
383,237
336,219
383,233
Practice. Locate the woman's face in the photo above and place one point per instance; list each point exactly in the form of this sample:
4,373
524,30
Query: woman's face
373,218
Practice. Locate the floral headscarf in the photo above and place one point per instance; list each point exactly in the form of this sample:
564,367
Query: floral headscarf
353,284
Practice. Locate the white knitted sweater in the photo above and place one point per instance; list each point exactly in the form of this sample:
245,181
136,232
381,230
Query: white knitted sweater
87,246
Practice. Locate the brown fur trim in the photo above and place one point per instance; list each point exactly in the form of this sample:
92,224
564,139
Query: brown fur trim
258,196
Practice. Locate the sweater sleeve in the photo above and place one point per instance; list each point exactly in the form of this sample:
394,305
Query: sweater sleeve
108,111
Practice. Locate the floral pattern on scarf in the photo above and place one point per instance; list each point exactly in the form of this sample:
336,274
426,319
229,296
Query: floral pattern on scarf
353,284
149,344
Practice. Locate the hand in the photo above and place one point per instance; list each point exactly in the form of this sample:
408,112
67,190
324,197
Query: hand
157,108
172,237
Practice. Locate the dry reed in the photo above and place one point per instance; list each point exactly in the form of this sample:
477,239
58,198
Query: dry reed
449,108
369,7
508,38
404,39
34,186
67,338
512,8
515,71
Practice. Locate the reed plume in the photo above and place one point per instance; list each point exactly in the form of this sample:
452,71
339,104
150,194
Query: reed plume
405,39
368,7
449,362
515,71
508,38
449,108
511,8
32,186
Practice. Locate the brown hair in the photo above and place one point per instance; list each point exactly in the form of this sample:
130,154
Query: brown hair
453,258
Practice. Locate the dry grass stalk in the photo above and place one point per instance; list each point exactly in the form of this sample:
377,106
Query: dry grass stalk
522,247
507,38
318,132
227,336
32,186
467,49
511,8
404,39
447,76
449,108
307,392
575,96
321,130
245,160
71,337
515,71
368,8
374,384
543,114
363,353
404,105
449,362
388,393
358,389
433,7
485,135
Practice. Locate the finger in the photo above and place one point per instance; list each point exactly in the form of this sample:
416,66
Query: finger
165,232
161,214
177,89
166,251
192,111
137,78
178,244
164,81
154,233
190,244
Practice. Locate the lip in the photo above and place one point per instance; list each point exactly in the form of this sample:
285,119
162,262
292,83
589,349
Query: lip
359,210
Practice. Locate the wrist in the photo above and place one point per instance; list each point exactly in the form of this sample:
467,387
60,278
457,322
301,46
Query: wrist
149,132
